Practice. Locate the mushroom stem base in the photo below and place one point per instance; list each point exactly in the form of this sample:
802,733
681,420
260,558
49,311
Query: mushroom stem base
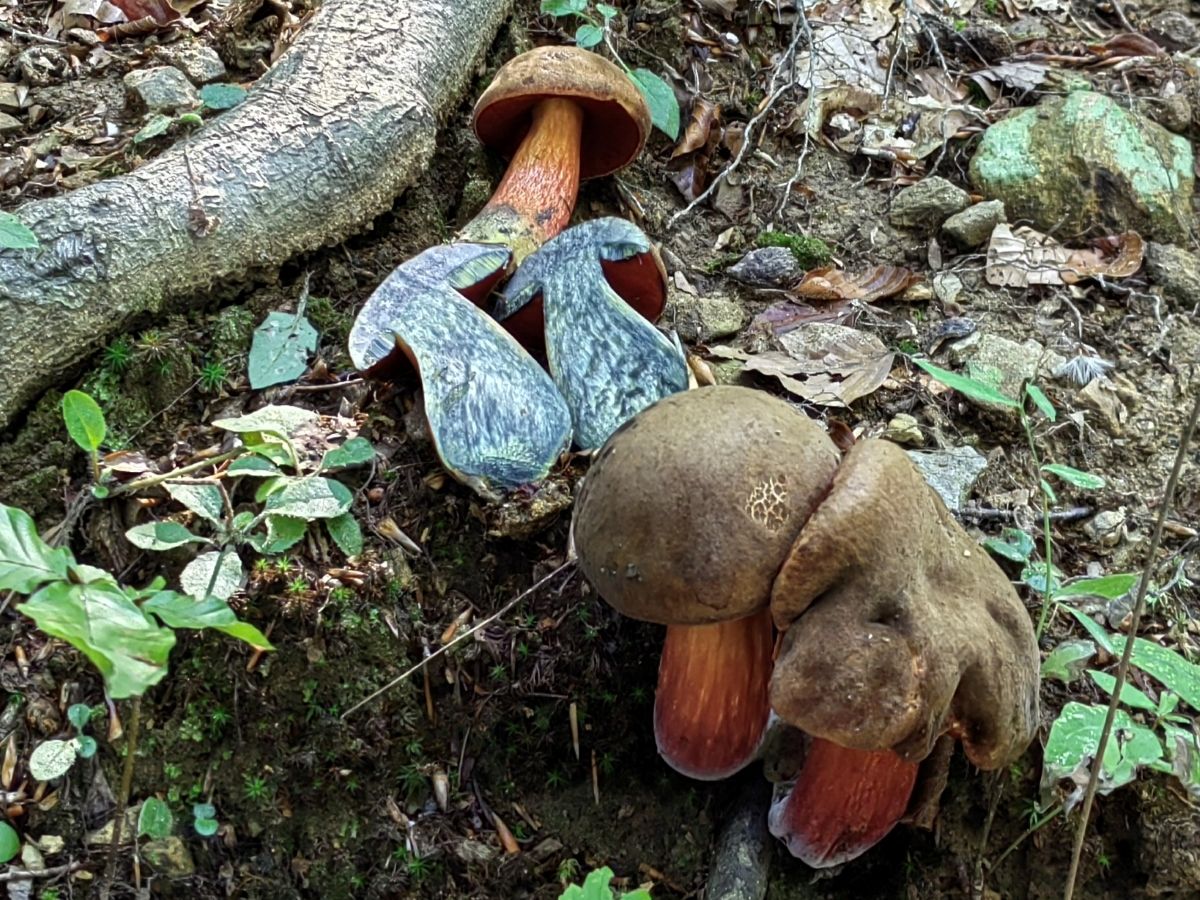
711,707
844,802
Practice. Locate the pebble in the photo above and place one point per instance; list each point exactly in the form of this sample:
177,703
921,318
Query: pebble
161,89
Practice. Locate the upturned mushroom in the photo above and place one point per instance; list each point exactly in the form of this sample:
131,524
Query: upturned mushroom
608,360
683,519
897,628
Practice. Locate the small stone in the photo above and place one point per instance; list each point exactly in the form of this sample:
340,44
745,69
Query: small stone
9,124
904,429
1173,30
104,834
1004,364
928,203
973,226
767,267
700,319
51,844
471,851
170,857
1173,113
1176,271
199,62
1100,396
161,89
1106,528
952,472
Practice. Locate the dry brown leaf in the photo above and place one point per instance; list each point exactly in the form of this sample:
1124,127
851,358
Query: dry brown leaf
876,283
1126,45
1020,257
1116,256
1021,76
158,10
780,318
705,114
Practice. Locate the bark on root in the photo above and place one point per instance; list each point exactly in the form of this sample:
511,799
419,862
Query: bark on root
324,142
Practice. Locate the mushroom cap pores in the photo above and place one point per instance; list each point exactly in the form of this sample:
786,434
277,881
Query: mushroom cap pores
616,119
691,507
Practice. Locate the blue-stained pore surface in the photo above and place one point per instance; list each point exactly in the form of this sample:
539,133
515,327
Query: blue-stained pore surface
608,361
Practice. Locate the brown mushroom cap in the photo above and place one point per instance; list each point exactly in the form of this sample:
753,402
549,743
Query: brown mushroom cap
691,507
900,627
616,118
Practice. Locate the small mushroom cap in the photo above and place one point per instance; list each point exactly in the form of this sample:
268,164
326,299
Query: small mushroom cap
616,119
900,628
691,507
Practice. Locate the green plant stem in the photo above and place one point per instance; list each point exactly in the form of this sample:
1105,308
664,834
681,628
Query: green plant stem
1135,619
152,480
95,459
135,718
1054,813
1048,544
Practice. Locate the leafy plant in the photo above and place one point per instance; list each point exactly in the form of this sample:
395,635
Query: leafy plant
51,759
596,22
596,887
280,349
86,425
155,819
214,97
204,819
10,842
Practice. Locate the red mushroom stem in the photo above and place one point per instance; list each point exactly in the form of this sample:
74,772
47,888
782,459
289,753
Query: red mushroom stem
843,803
711,706
535,199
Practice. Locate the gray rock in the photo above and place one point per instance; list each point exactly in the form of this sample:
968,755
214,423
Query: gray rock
928,203
699,319
973,226
1069,165
742,859
1107,528
169,857
198,62
1176,271
1173,113
1173,30
1002,363
9,123
768,267
951,472
161,89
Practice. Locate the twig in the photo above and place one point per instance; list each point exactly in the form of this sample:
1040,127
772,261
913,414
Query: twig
1071,514
30,36
151,480
110,874
802,18
462,636
30,874
1139,606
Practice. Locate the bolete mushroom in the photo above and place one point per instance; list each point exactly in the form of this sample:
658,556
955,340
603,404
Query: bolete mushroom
497,420
608,360
683,519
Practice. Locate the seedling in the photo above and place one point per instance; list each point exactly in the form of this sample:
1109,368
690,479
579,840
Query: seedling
204,819
596,887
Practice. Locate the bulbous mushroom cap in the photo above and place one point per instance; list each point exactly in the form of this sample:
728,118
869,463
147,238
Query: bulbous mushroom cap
691,507
616,119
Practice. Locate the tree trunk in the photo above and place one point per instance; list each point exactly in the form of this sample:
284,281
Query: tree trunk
324,142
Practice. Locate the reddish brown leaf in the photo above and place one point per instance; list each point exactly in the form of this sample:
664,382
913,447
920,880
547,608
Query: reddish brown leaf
780,318
705,114
1126,45
158,10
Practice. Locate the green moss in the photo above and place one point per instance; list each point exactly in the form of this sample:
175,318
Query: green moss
810,252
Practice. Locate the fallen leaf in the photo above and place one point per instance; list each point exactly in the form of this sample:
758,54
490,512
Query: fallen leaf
1124,46
780,318
876,283
1021,76
705,114
158,10
1020,257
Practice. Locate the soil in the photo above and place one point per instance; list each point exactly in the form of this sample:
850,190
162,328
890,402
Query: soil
313,803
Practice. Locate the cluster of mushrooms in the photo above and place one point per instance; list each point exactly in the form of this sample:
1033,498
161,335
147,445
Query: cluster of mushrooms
832,593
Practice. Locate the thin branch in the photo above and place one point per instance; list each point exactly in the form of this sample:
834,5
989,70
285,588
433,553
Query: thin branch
30,874
1139,606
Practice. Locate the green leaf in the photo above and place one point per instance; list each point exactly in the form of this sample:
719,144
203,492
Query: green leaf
157,126
79,714
155,819
26,561
563,7
660,98
1085,480
52,759
1164,665
243,522
608,12
198,575
1013,544
281,421
252,466
190,119
202,499
269,486
1066,661
1075,737
1041,401
85,746
204,819
1047,490
222,96
355,452
310,498
10,843
1110,587
1183,750
101,621
162,536
1097,631
85,421
14,235
346,534
280,349
1130,695
588,35
283,532
969,387
276,450
181,611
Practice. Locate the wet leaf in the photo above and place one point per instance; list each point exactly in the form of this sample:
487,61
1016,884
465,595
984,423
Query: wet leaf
1015,545
84,420
283,533
563,7
157,125
222,96
26,561
588,35
252,466
51,759
198,575
1110,587
281,421
976,390
660,98
280,349
79,714
1130,695
1075,737
162,536
180,611
1066,662
14,235
154,819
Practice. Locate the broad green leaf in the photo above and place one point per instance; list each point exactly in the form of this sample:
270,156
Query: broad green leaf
280,349
608,12
1075,737
1041,401
310,498
269,486
85,746
660,98
1034,575
198,575
253,466
202,499
51,759
181,611
162,536
1066,661
84,419
10,843
346,534
283,532
280,421
355,452
243,522
1047,490
1110,587
588,35
1183,750
1130,695
14,235
26,561
274,449
103,623
222,96
79,714
158,125
1013,544
1085,480
1099,634
976,390
563,7
155,819
1166,666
